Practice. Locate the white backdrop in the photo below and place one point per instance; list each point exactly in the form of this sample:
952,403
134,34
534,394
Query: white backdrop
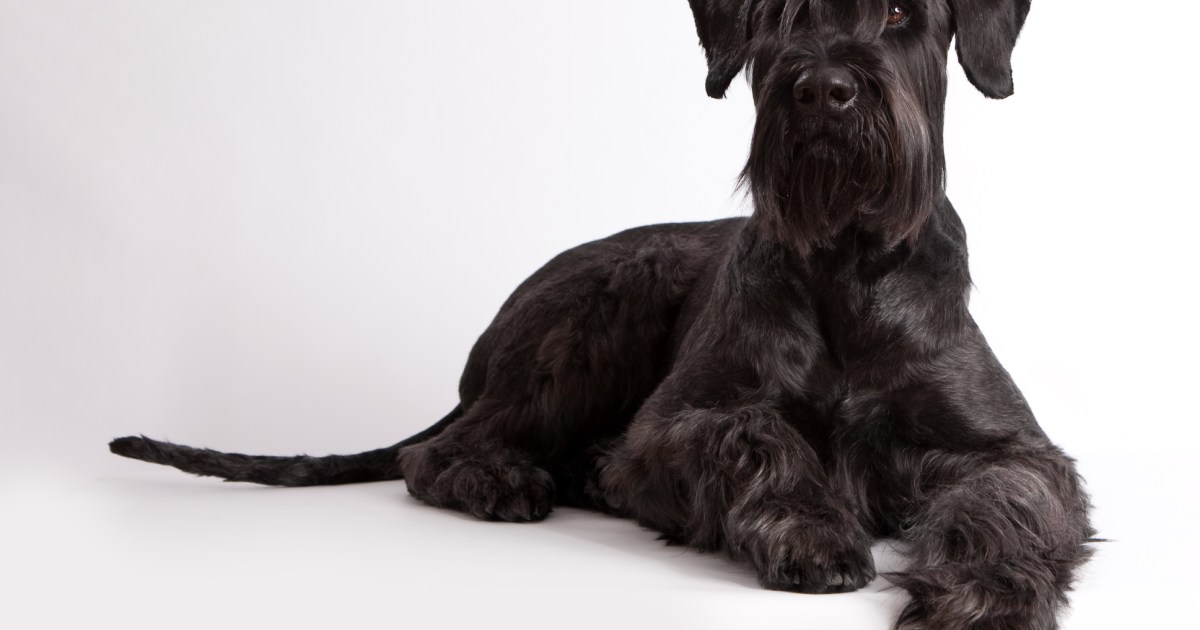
278,226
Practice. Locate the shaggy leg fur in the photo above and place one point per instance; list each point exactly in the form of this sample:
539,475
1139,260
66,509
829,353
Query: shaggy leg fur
996,550
748,482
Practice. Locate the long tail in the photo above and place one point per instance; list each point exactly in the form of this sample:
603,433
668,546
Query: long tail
300,470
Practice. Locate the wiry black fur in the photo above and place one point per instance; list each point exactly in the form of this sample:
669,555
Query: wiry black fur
787,387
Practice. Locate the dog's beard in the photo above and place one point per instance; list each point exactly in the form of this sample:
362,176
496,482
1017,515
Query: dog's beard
876,167
835,175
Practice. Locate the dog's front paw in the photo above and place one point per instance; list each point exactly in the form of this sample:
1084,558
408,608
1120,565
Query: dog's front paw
799,555
830,571
1013,594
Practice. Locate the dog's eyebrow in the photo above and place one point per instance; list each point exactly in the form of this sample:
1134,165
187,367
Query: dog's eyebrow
861,19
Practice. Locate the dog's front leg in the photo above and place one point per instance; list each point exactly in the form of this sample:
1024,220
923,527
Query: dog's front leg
745,480
993,515
996,549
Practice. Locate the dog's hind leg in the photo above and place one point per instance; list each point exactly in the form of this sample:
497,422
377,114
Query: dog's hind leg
744,480
996,549
562,368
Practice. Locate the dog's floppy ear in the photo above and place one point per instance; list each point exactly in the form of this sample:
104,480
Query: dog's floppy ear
985,32
724,31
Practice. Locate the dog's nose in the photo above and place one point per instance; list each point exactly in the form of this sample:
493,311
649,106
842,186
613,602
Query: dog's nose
825,88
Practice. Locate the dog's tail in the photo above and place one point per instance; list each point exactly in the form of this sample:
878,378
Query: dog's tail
301,470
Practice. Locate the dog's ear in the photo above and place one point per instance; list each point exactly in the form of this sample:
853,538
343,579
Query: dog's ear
724,31
985,34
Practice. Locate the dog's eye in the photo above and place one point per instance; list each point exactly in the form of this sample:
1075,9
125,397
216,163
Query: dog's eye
897,14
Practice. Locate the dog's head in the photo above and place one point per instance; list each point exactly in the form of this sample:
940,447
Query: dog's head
850,95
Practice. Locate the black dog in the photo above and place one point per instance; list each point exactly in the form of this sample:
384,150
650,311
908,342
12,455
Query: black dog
787,387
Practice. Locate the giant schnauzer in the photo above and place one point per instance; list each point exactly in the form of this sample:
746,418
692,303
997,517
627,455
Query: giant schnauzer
787,387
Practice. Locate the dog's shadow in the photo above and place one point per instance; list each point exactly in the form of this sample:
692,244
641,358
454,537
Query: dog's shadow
592,528
615,533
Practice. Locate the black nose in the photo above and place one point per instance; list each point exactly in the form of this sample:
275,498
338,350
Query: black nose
825,88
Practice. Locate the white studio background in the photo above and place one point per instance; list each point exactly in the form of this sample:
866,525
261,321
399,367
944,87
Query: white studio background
278,226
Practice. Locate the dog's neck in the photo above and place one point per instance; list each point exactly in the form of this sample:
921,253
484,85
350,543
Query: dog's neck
863,235
853,252
765,282
846,269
